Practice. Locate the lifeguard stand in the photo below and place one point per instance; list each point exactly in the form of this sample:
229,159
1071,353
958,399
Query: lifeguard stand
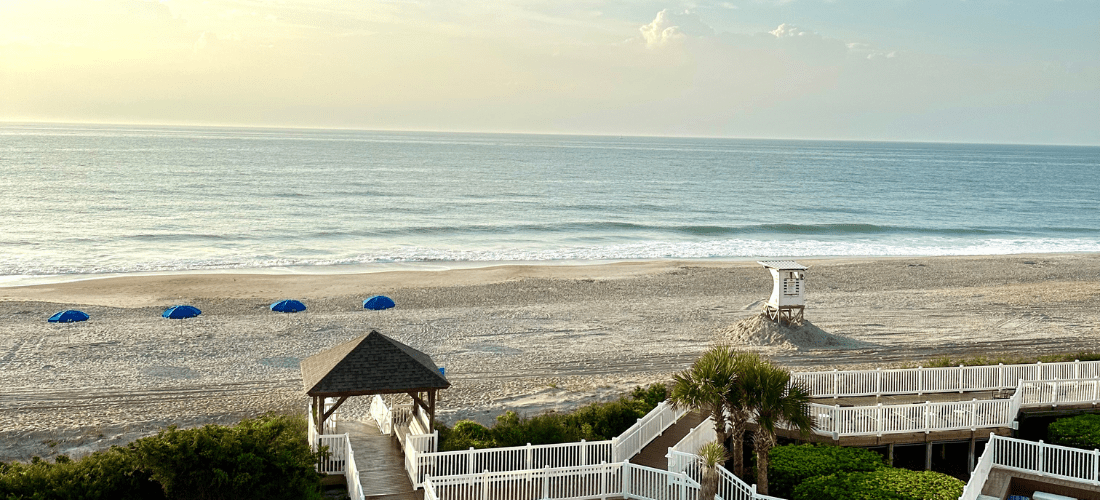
788,301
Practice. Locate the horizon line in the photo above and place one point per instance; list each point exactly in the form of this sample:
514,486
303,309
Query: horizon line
496,132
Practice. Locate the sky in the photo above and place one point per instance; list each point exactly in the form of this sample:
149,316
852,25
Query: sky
996,71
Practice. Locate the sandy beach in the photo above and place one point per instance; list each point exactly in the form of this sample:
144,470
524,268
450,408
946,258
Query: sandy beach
529,338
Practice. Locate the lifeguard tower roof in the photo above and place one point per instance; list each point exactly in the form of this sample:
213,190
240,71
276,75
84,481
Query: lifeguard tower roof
782,264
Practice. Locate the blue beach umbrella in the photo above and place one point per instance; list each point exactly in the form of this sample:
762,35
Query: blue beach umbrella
181,312
288,306
70,316
378,303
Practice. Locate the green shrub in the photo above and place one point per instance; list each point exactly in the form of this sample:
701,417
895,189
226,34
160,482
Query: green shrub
883,484
594,422
1012,359
1082,431
107,475
262,458
790,465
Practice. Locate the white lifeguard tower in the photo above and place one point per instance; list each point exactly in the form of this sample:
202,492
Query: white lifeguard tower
788,300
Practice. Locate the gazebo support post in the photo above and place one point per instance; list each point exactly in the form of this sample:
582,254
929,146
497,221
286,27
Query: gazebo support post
431,410
334,407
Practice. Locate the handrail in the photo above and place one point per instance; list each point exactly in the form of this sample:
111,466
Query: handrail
646,429
920,380
1062,462
698,436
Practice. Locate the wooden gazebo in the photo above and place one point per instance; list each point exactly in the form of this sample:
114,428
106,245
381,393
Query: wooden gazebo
368,365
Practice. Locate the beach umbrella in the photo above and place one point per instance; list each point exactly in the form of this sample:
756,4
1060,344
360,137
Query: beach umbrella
181,312
378,303
70,316
288,306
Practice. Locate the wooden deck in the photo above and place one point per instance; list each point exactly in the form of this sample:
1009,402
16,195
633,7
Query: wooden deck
380,462
655,453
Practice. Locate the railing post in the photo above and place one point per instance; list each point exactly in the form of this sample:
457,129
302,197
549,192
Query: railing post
604,476
485,484
961,379
878,381
1076,368
615,450
1001,376
878,420
545,482
920,380
1096,466
925,412
470,461
1040,464
584,454
626,479
836,422
973,415
836,383
530,457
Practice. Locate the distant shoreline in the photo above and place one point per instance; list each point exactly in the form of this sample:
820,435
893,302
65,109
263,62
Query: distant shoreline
14,281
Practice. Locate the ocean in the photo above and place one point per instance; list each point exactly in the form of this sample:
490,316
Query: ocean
82,200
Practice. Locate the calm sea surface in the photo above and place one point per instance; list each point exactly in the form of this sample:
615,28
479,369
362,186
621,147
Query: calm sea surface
111,199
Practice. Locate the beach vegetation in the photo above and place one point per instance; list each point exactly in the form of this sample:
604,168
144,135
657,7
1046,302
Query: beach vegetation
262,458
1011,359
883,484
774,401
704,387
791,465
1081,431
593,422
712,454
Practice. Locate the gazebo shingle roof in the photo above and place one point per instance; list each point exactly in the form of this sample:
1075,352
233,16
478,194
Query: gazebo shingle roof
371,364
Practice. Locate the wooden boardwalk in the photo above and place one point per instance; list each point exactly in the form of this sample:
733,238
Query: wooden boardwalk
380,462
655,453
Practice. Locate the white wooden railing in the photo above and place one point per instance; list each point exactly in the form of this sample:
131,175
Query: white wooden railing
730,487
1072,391
919,380
339,459
697,437
1070,464
601,481
471,461
653,424
422,458
842,421
381,414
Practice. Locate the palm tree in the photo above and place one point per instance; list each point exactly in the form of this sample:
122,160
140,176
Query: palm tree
773,401
704,386
744,364
712,455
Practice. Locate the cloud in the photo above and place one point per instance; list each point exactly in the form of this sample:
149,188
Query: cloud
669,27
787,30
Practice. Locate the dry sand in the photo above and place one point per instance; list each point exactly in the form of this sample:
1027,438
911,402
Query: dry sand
511,337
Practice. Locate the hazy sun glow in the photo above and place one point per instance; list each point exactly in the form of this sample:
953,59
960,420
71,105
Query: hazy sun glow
883,70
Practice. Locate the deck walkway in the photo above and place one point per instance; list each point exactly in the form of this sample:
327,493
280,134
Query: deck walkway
380,462
655,453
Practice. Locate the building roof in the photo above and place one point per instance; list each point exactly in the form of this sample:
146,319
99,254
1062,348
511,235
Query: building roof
782,264
371,364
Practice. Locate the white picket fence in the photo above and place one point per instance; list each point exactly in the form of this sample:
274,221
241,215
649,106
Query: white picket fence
730,487
382,415
919,380
698,436
600,481
422,458
653,424
1071,464
339,459
838,421
1072,391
